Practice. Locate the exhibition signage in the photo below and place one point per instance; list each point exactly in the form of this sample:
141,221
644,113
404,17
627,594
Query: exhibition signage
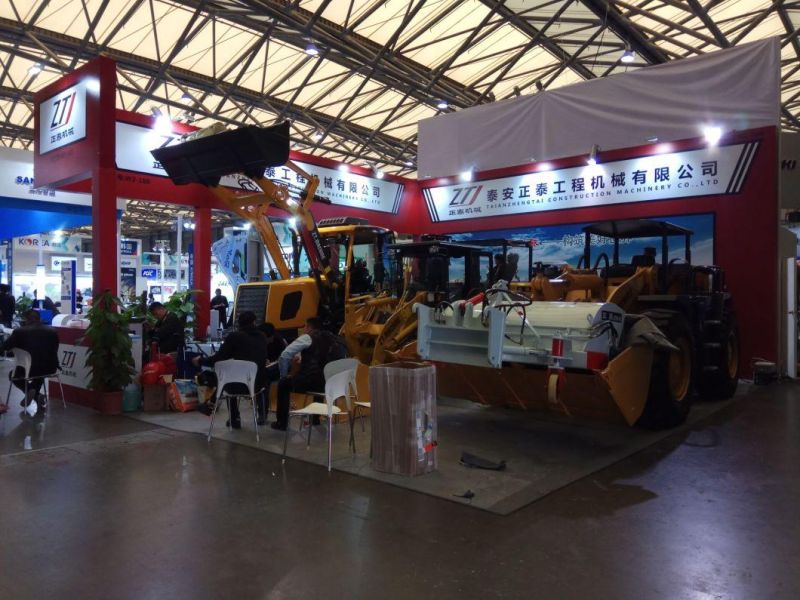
230,252
343,188
710,171
63,118
68,268
74,371
57,261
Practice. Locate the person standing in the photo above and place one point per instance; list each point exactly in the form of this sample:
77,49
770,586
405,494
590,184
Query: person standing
41,342
247,343
168,330
7,305
316,348
220,303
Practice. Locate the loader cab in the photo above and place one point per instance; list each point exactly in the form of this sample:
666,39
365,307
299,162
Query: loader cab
449,270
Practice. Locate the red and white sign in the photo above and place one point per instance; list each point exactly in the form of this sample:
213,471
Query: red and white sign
63,118
709,171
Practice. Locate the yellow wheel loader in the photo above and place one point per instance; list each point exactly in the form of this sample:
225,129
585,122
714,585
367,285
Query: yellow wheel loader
216,158
607,339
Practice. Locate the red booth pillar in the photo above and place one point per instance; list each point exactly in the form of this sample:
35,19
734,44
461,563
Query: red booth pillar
105,245
202,267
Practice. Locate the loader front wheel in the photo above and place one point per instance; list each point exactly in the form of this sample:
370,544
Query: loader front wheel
670,394
720,375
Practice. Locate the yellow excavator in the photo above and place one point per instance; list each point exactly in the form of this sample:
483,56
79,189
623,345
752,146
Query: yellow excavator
348,299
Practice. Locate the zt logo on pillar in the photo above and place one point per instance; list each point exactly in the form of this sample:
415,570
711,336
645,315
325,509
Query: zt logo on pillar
62,111
466,196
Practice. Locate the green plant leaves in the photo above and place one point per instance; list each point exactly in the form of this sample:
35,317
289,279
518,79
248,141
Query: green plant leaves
109,358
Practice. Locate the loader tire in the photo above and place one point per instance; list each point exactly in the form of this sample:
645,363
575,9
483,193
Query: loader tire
719,377
670,394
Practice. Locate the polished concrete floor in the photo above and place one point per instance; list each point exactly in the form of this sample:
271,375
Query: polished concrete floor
113,508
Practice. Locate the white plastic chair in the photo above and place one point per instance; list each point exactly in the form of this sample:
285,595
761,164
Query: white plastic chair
235,371
24,360
337,366
338,386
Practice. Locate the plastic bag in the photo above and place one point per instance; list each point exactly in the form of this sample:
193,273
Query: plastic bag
182,395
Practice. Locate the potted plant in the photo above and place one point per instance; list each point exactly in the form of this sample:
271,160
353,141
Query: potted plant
109,357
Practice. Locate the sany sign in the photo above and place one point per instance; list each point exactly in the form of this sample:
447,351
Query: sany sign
63,118
704,172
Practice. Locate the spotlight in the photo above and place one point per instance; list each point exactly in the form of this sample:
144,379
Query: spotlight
442,105
186,97
163,125
628,56
466,175
712,135
317,135
408,163
378,173
344,168
35,69
312,50
593,154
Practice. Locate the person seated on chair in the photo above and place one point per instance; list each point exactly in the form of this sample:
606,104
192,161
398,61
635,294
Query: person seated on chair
7,306
41,342
168,330
246,343
360,279
316,348
275,343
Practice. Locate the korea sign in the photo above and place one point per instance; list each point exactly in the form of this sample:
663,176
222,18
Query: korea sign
62,118
705,172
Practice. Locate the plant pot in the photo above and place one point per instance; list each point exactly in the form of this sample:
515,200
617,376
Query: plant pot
109,403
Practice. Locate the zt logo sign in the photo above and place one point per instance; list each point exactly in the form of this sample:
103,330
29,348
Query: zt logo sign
68,359
466,196
788,165
62,111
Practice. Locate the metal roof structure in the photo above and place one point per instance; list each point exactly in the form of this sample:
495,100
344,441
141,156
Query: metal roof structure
355,76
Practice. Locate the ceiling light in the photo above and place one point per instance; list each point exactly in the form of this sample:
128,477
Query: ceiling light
35,69
312,50
652,139
317,135
628,56
344,168
442,104
593,154
466,175
379,174
186,97
712,134
408,163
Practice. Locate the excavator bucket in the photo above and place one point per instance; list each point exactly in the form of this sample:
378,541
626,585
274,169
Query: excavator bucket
248,150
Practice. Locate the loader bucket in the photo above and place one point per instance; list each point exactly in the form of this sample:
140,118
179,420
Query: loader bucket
249,150
616,394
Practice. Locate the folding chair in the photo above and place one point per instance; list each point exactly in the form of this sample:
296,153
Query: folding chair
235,371
338,386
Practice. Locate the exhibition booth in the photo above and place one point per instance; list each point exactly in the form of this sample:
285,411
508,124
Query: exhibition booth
536,169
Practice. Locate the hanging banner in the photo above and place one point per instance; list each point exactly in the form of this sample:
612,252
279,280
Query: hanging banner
135,142
68,273
49,242
711,171
230,252
127,282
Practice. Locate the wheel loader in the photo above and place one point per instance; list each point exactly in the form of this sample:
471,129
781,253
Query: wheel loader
217,159
605,339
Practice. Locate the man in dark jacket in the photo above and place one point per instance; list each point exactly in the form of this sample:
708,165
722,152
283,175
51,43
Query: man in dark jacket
168,330
316,348
220,304
7,305
41,342
247,343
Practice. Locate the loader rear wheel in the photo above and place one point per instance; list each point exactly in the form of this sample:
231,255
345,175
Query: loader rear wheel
670,394
720,375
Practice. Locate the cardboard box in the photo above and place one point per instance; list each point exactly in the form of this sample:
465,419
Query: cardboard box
154,398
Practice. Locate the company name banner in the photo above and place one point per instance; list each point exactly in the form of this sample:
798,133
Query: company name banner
134,144
704,172
63,118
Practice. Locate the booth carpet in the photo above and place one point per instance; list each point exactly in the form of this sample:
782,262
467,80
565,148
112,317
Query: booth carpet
543,453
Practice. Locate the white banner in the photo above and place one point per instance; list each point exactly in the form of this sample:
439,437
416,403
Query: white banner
705,172
230,254
16,180
62,118
49,242
134,144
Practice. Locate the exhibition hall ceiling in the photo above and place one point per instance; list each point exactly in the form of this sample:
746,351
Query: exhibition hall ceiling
355,76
